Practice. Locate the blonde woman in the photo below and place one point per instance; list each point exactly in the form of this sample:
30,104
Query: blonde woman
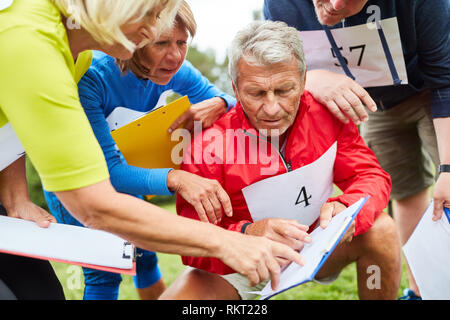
42,48
109,96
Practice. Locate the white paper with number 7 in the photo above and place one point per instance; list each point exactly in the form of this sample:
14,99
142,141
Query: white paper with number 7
362,49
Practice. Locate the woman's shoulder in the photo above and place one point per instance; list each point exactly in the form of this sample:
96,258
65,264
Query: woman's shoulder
23,16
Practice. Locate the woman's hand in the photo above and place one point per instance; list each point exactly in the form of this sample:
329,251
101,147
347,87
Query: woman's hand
29,211
207,112
257,258
328,211
288,232
15,198
205,195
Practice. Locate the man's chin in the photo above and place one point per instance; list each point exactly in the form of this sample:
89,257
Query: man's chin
327,19
330,21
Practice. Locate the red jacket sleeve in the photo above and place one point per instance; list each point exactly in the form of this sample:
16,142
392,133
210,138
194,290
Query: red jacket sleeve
215,171
209,166
358,174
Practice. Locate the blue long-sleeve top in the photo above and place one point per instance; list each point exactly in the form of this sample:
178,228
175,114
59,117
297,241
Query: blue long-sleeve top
104,89
424,27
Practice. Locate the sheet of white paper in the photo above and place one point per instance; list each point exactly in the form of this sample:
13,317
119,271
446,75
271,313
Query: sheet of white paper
361,47
5,4
65,242
10,146
428,255
296,195
313,253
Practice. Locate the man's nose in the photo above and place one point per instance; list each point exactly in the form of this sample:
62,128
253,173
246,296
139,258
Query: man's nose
338,4
271,105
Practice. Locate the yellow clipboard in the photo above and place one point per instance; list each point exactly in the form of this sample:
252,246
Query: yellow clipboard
146,142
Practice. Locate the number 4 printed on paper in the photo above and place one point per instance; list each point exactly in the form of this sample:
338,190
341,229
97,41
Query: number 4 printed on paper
303,197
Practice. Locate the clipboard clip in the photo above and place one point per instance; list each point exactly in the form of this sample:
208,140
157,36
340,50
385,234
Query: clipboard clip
447,213
127,253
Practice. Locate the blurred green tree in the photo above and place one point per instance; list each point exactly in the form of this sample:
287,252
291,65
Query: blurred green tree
206,62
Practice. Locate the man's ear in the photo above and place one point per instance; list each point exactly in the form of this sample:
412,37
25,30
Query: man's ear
306,71
236,94
304,79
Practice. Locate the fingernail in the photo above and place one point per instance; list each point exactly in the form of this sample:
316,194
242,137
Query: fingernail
308,239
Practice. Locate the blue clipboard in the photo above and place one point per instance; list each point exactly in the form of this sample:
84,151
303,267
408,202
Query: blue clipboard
447,214
327,255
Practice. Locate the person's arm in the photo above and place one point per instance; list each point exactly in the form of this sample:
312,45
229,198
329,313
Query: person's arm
358,174
441,192
288,232
433,51
15,198
209,103
152,228
124,178
142,181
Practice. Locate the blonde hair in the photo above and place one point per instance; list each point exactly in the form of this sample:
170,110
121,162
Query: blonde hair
184,19
103,19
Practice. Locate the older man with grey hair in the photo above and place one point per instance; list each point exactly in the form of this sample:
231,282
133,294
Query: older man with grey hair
279,137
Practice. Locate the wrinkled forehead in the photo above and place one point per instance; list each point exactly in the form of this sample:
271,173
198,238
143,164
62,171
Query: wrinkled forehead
250,65
254,73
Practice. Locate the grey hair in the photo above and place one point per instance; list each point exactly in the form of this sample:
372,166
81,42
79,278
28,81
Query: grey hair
266,43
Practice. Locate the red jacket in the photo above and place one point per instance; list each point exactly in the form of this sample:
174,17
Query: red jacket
356,170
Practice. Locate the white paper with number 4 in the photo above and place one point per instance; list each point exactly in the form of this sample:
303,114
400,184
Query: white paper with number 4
296,195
